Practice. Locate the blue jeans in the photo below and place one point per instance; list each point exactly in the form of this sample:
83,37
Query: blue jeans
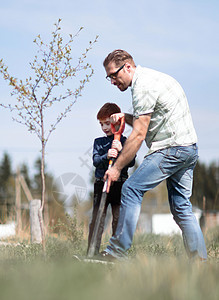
176,165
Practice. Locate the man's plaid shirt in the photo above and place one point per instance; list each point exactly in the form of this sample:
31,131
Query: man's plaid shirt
162,96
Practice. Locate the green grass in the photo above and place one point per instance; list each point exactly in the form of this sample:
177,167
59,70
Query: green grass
157,269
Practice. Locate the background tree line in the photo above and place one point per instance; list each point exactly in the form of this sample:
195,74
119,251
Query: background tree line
33,181
206,183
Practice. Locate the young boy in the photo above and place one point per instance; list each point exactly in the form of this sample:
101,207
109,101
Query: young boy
103,149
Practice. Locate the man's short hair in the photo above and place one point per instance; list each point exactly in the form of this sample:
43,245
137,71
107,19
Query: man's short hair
107,110
118,57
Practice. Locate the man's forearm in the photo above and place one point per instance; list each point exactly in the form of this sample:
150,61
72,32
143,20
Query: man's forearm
131,147
134,141
129,119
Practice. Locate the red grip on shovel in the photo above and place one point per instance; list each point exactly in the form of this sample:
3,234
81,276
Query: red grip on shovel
117,134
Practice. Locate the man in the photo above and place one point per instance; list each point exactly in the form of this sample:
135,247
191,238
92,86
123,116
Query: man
162,118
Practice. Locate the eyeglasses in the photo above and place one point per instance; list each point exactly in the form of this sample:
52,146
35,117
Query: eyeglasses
114,75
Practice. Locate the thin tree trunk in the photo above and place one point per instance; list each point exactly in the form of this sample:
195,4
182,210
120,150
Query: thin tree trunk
42,183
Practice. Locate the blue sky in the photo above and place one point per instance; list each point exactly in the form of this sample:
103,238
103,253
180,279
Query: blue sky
179,38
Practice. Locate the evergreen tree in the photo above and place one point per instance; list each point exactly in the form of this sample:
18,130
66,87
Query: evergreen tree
7,190
5,169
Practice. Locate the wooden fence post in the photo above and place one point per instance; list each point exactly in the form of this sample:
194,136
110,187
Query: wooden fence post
202,220
18,202
35,230
35,211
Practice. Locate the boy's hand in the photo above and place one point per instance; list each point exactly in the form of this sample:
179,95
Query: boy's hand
116,117
117,145
112,153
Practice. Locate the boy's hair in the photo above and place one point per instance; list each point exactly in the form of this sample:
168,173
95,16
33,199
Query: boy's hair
107,110
118,57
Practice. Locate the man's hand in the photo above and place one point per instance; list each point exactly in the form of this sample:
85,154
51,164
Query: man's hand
112,153
111,175
116,117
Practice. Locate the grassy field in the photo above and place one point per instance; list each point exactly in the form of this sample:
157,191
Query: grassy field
157,268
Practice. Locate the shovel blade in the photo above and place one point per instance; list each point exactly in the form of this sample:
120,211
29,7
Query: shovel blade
93,242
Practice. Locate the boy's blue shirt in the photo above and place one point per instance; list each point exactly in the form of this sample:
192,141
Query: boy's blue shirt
100,160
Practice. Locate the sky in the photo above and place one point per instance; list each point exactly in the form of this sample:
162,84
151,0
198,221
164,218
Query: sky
178,37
